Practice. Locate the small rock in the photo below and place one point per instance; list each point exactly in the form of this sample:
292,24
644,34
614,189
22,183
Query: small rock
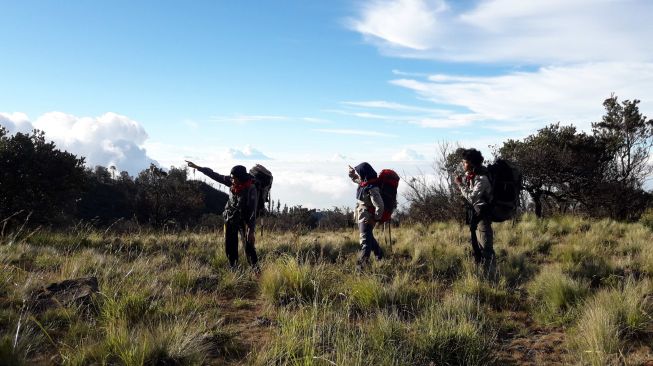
262,321
69,292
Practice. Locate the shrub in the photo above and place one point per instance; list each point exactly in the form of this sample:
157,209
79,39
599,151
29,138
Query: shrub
554,295
455,333
610,318
286,281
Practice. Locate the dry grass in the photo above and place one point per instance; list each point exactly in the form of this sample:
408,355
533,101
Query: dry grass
170,299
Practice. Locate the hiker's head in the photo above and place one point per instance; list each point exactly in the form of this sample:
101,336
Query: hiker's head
365,171
239,174
472,159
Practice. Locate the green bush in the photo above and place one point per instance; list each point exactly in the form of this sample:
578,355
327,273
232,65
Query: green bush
455,333
554,295
609,319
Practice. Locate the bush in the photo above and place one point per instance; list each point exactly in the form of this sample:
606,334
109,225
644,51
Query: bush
286,281
455,333
554,295
610,318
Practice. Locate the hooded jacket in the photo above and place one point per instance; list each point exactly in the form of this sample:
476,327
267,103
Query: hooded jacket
369,203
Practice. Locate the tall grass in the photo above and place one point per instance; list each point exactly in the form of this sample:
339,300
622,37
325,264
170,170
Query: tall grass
555,296
609,319
170,298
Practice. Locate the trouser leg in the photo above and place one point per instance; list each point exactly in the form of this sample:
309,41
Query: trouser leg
487,238
476,249
250,249
368,243
231,243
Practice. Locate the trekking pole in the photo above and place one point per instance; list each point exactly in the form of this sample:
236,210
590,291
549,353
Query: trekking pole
390,234
385,238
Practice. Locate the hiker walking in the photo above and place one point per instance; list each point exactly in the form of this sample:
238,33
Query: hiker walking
240,212
476,189
369,210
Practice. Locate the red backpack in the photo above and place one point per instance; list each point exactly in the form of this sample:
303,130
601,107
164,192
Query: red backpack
388,181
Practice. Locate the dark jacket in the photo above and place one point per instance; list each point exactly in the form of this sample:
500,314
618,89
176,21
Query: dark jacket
240,207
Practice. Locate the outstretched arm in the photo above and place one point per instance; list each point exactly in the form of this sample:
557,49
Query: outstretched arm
224,179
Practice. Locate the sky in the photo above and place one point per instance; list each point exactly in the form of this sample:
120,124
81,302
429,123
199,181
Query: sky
307,88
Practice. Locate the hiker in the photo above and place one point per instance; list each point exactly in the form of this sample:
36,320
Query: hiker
369,210
476,189
240,212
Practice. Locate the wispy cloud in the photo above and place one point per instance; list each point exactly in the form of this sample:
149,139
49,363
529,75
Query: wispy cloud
355,132
423,117
524,100
534,31
190,123
242,118
382,104
247,118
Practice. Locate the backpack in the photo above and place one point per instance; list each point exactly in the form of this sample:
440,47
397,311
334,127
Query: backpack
388,181
263,182
506,181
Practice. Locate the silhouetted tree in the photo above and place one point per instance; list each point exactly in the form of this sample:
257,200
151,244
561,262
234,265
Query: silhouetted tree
37,178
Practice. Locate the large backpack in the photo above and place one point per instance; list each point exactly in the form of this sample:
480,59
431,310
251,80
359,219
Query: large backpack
263,182
388,181
506,181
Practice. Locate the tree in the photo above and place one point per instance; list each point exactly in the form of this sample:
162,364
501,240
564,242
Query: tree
436,198
38,178
558,165
629,137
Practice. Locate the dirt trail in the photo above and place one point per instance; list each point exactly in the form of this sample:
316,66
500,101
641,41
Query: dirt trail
250,328
539,346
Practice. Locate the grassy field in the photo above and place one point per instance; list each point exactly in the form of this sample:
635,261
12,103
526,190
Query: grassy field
567,291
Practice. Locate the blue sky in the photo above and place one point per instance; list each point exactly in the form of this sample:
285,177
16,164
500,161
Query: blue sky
307,87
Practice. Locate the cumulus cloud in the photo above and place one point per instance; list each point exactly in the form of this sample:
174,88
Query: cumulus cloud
523,100
408,155
247,153
16,122
510,30
110,139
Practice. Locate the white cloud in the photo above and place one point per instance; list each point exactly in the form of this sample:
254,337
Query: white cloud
408,23
382,104
530,31
16,122
313,183
408,155
355,132
247,153
248,118
521,101
110,139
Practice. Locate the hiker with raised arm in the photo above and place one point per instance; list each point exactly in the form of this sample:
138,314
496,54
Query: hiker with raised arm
476,189
240,212
369,210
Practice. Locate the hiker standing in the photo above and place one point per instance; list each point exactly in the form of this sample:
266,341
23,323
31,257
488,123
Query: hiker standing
476,189
369,210
240,212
